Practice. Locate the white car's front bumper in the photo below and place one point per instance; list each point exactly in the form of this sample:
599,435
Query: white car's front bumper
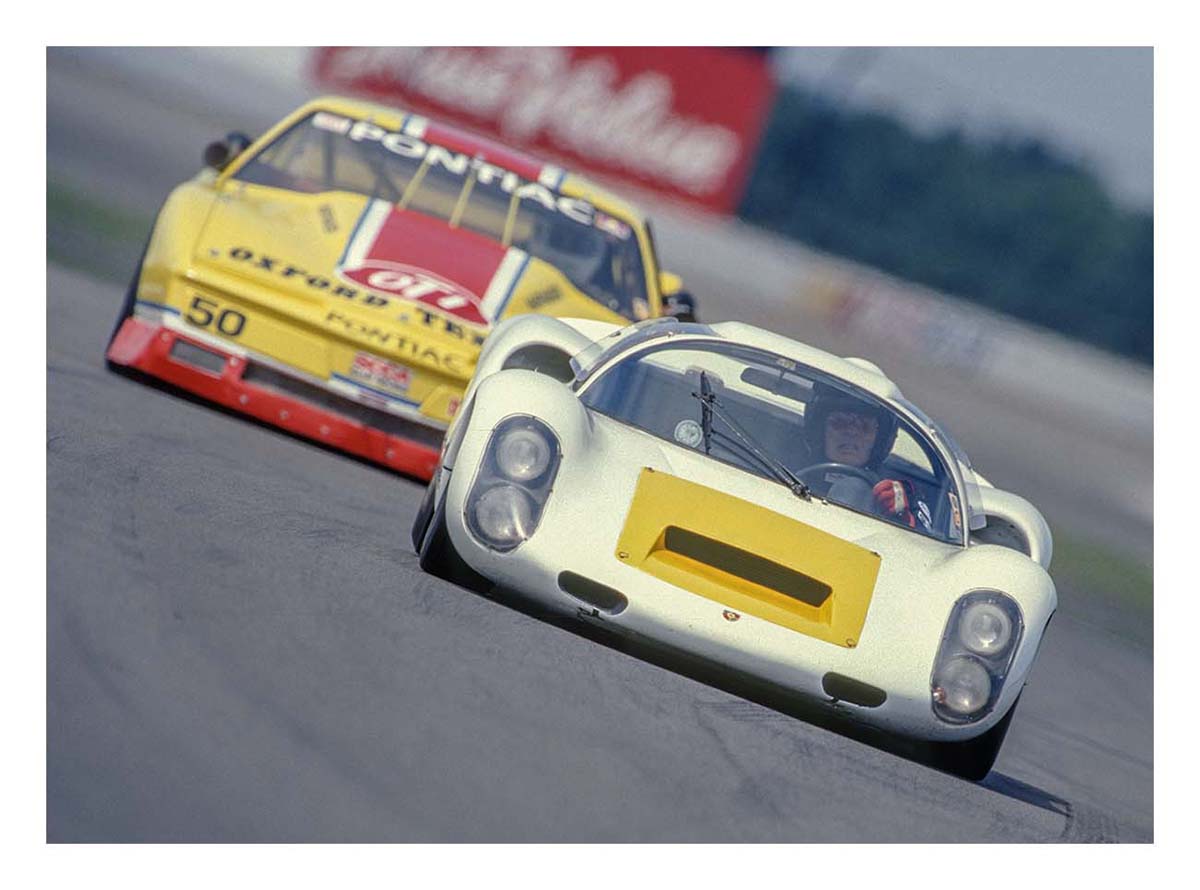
890,657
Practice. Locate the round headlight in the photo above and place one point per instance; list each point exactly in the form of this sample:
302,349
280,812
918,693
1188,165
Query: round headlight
522,454
962,686
985,628
504,515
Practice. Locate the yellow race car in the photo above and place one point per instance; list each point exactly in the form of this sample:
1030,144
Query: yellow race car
337,276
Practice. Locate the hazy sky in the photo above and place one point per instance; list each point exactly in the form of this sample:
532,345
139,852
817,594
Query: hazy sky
1094,103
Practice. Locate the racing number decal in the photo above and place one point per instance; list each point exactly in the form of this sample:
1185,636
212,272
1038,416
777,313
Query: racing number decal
202,312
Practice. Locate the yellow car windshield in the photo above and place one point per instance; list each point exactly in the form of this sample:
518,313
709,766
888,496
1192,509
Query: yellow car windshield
599,253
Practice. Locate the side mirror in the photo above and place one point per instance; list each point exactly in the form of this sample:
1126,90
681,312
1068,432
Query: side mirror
676,302
680,305
218,154
669,283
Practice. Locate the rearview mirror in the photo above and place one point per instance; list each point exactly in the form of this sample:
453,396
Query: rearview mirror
788,387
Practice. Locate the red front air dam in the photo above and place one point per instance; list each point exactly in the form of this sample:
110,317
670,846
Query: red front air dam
147,347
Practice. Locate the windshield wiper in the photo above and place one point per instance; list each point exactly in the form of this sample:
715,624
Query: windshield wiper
710,406
707,399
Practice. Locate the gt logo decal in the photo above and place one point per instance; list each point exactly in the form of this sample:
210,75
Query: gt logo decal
411,283
206,313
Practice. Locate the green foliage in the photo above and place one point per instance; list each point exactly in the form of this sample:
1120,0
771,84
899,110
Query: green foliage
1010,225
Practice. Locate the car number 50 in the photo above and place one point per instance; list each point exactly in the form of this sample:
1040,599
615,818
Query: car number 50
205,313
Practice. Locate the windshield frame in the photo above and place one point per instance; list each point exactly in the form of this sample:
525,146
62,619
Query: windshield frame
632,346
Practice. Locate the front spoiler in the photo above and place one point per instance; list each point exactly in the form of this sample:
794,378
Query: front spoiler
147,347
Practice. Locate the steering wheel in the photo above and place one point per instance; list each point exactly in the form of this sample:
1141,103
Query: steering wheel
862,473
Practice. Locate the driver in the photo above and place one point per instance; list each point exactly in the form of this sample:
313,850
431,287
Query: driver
843,429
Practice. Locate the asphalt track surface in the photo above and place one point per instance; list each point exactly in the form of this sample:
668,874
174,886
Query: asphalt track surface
241,648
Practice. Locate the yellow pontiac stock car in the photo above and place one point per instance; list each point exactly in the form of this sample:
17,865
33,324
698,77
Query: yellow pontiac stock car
337,276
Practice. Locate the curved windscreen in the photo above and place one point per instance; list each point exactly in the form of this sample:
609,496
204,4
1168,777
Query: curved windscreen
598,252
785,422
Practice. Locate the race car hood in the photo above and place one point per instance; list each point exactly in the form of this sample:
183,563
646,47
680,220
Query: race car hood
346,266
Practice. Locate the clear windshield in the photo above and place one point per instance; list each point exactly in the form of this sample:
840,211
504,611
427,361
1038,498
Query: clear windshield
624,339
597,252
846,445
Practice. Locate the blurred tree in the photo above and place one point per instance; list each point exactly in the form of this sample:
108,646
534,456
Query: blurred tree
1008,224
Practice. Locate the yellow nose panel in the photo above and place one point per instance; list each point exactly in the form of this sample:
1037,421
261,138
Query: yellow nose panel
748,558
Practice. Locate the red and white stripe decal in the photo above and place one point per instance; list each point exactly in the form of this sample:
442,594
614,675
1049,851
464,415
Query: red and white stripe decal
417,258
503,282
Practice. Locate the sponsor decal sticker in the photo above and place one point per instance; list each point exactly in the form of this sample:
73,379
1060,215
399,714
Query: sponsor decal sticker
418,285
328,220
924,516
955,513
544,191
380,372
357,296
407,347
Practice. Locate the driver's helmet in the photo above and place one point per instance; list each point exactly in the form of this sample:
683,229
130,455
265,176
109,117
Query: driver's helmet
825,400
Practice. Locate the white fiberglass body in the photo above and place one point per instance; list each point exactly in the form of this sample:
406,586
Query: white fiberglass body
642,531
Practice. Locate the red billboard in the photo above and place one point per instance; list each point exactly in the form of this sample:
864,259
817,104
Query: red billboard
684,121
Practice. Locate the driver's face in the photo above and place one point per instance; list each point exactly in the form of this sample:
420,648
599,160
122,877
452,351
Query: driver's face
849,437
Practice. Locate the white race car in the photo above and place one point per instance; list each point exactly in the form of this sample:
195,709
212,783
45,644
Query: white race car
769,507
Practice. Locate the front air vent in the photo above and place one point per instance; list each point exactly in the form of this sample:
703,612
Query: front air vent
593,593
747,566
842,688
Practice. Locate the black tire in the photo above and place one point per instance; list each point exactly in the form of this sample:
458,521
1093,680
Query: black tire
437,556
424,513
972,759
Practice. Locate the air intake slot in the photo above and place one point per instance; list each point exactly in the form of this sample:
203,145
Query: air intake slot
748,559
197,356
593,593
843,688
747,566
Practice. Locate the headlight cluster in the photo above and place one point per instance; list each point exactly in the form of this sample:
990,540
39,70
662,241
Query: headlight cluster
976,653
519,465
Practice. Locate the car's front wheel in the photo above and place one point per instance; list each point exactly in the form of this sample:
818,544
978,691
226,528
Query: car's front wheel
972,759
435,551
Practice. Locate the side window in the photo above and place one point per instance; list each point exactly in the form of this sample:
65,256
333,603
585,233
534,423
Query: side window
295,161
907,449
